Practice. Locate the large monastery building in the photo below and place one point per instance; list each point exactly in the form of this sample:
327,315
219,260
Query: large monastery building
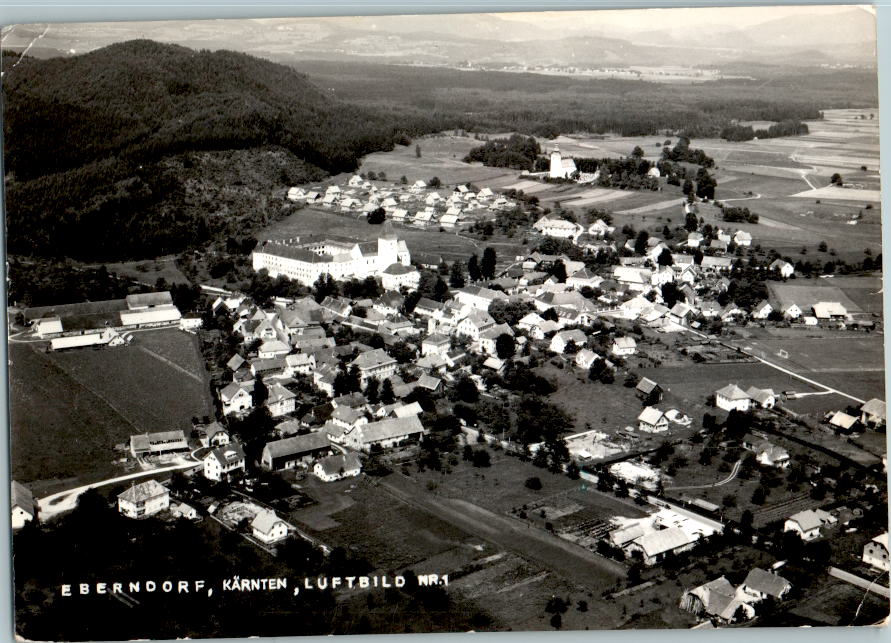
340,257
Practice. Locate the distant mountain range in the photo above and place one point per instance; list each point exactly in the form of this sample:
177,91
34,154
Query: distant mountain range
846,37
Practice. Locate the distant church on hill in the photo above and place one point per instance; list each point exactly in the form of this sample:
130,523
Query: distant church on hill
561,168
340,257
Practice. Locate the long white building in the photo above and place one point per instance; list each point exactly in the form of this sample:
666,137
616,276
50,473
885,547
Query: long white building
339,257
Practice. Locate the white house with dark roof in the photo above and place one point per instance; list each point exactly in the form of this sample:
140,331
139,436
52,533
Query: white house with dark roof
23,508
292,452
397,276
144,499
760,585
374,363
337,467
224,462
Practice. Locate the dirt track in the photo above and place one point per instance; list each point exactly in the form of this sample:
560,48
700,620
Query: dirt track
560,556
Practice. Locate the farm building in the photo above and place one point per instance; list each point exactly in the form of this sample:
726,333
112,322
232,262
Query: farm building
558,228
268,528
382,434
647,389
337,467
830,311
658,545
134,311
22,505
143,500
160,443
291,452
624,346
875,552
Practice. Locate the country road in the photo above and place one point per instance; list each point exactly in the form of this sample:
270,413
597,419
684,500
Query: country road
720,483
560,556
67,500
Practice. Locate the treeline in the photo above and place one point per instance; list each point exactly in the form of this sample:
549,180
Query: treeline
517,152
747,133
497,101
738,215
628,173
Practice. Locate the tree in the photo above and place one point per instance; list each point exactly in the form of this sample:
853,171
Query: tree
372,390
434,182
403,180
691,223
533,483
387,395
481,458
640,243
473,268
665,258
637,152
487,265
377,216
260,393
822,247
417,151
836,179
558,271
505,346
456,275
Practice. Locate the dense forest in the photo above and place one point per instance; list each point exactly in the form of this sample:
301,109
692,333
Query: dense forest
517,152
747,133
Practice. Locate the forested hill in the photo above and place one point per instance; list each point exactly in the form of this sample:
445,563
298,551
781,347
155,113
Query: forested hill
130,151
145,99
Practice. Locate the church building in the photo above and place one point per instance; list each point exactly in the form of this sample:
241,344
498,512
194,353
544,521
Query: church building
561,168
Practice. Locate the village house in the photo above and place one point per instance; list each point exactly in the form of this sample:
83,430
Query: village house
273,348
875,552
144,499
396,277
435,344
224,462
829,311
652,420
474,324
585,358
213,435
784,268
792,311
562,339
337,467
766,453
281,401
873,414
624,346
842,421
762,310
718,600
489,338
656,546
478,297
374,363
22,505
268,528
732,398
761,585
236,397
299,450
807,523
764,397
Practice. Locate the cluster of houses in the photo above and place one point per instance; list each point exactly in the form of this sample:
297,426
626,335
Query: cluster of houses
417,204
719,602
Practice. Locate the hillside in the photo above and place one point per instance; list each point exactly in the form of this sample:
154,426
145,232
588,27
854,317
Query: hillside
98,145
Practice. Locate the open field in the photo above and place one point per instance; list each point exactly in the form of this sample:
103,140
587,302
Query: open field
148,272
450,245
441,157
842,194
70,409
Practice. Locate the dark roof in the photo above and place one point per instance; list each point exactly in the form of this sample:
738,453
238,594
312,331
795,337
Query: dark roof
646,385
279,249
22,497
297,445
106,307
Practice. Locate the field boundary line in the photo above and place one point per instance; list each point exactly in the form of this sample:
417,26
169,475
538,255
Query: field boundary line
171,364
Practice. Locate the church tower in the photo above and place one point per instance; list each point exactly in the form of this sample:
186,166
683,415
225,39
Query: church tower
556,164
387,247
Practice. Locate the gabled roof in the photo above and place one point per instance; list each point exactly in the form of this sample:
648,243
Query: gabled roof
335,464
22,497
391,428
143,491
372,359
874,407
646,385
297,445
765,582
732,392
651,415
227,455
265,521
664,540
